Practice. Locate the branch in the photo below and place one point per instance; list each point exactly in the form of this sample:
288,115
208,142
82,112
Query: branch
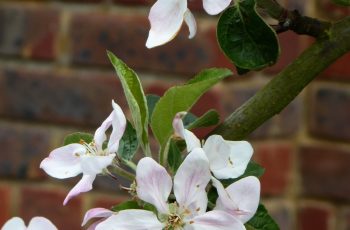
281,90
293,20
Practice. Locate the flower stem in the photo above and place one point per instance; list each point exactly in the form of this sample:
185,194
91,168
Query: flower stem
122,172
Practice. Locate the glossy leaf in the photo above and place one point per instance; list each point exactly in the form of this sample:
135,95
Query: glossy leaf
210,118
261,220
245,38
128,144
182,98
135,97
77,138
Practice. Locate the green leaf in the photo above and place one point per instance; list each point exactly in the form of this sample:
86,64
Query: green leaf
77,138
130,204
135,97
128,144
174,157
182,98
245,38
152,100
210,118
189,118
261,220
342,2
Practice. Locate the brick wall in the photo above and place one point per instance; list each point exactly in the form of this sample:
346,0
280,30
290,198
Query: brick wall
55,79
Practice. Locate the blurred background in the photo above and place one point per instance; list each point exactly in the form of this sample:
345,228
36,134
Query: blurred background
55,79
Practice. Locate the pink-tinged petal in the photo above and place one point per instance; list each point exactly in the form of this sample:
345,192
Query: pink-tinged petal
217,151
214,7
64,162
190,181
153,183
166,18
100,133
94,225
216,220
228,159
191,23
191,140
245,193
84,185
92,165
14,223
132,219
96,213
119,125
224,201
41,223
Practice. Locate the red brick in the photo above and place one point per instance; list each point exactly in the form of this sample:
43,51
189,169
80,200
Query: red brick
285,124
29,31
315,217
48,203
329,112
339,70
25,147
281,212
5,205
330,11
109,31
276,158
108,202
291,48
72,98
324,172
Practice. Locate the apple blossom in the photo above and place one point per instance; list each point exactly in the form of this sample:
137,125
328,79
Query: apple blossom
166,18
87,158
227,159
154,186
240,199
37,223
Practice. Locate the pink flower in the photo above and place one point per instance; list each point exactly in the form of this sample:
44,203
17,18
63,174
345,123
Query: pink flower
154,186
89,159
227,159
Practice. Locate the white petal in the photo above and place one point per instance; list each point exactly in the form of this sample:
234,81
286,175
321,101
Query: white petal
93,165
214,7
100,133
224,201
190,181
216,220
228,159
84,185
96,213
153,183
166,18
132,219
14,223
119,125
191,23
217,151
191,140
64,162
41,223
245,193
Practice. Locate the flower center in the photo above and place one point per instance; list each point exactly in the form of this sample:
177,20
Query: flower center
174,220
92,149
